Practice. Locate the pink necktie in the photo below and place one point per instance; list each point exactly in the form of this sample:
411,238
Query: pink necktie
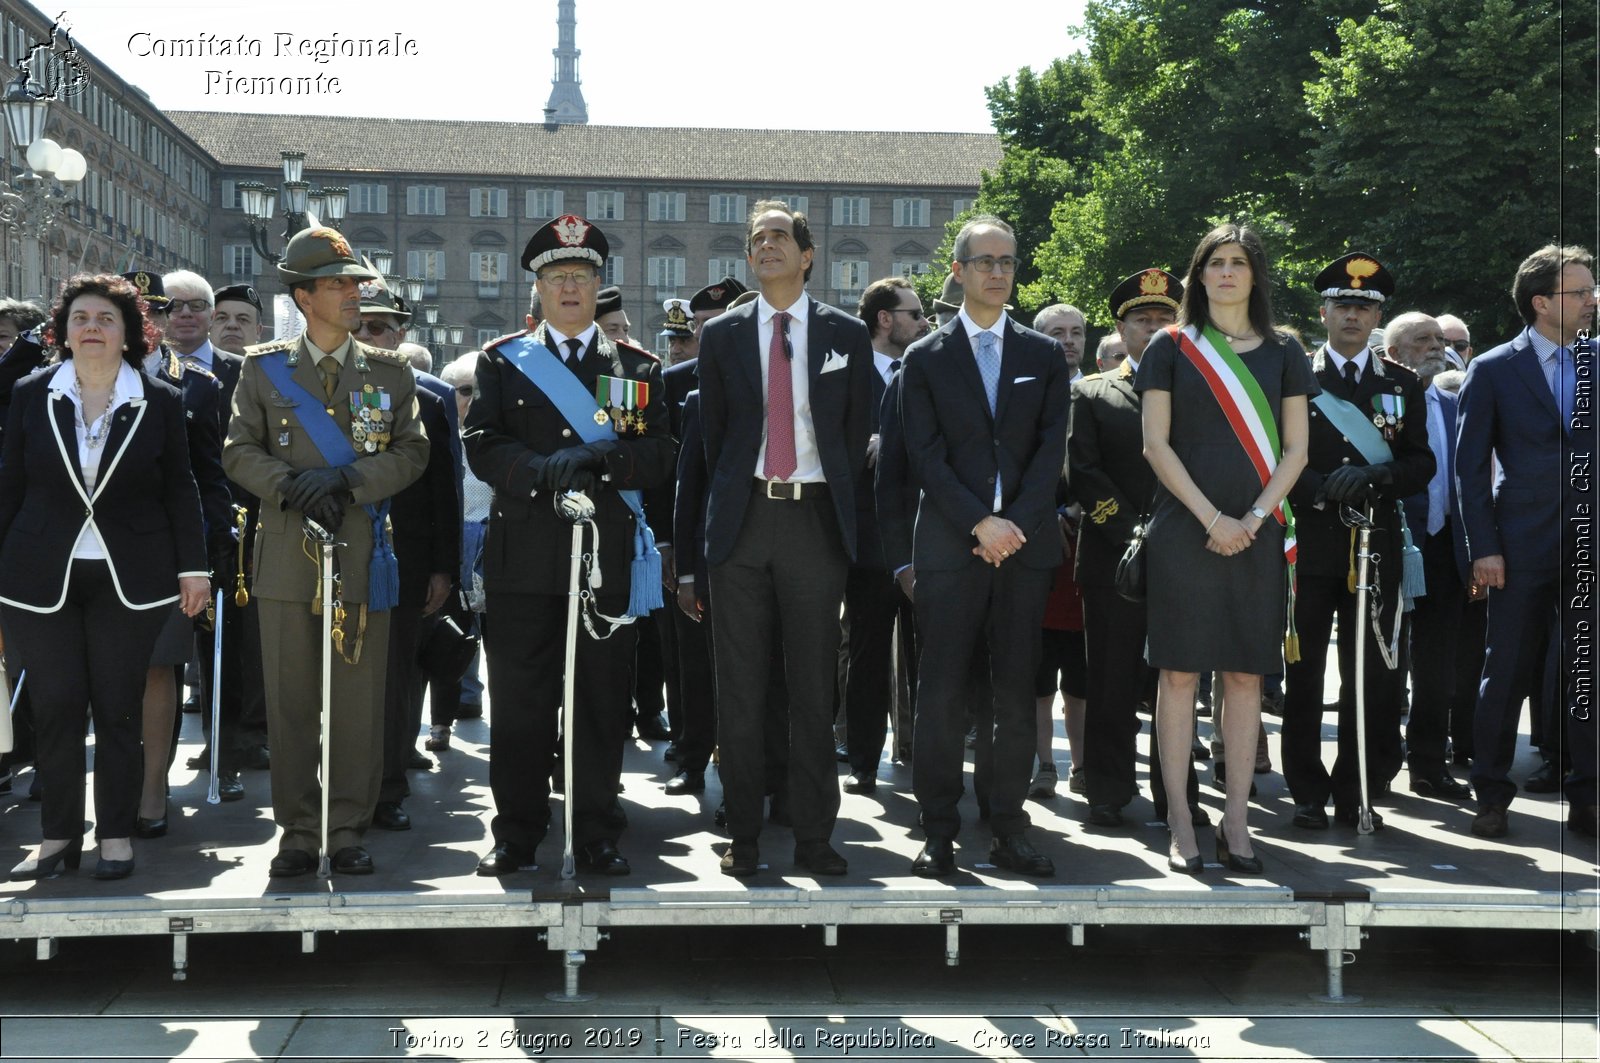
781,460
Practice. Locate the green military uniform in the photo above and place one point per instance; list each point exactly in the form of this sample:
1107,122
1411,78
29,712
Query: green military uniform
265,448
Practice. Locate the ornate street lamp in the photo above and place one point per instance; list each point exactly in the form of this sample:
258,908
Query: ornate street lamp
301,203
33,199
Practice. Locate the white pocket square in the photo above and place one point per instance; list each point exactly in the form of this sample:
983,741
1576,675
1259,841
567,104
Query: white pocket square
1024,379
835,360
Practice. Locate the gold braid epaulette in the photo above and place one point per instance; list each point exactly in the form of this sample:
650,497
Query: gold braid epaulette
271,348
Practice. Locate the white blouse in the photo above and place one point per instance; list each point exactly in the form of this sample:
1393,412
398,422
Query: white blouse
91,437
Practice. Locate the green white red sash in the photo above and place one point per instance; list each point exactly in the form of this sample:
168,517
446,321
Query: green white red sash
1245,405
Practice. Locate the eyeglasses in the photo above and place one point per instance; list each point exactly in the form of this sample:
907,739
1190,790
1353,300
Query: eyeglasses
465,389
194,306
1461,346
1581,293
574,276
374,328
914,311
989,263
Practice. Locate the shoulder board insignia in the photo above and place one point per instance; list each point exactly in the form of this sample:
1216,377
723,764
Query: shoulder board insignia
498,340
640,351
190,366
378,354
271,348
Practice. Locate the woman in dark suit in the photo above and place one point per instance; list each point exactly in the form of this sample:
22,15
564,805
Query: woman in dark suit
100,531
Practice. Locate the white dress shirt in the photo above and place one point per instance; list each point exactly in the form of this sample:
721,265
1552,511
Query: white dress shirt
558,341
1338,361
1438,487
808,460
126,388
999,330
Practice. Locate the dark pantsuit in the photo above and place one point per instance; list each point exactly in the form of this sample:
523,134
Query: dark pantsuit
871,600
526,647
401,705
956,612
89,656
786,572
696,722
291,659
1469,668
649,668
1435,633
1318,600
1520,615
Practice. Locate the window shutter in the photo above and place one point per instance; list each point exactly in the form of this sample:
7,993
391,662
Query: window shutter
228,200
472,203
838,219
590,201
680,206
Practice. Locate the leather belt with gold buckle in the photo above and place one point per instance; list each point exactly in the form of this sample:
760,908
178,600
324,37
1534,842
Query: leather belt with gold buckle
785,491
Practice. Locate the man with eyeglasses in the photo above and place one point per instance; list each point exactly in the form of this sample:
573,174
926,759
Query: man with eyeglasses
536,394
1063,323
872,599
1526,426
426,521
785,398
984,414
1457,340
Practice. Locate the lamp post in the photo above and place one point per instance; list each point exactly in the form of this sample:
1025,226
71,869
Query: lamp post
302,205
32,200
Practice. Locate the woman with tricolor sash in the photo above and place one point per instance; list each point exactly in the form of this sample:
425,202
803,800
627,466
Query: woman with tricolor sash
1224,399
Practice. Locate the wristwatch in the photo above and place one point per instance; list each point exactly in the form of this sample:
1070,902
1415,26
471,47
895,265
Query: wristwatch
1258,513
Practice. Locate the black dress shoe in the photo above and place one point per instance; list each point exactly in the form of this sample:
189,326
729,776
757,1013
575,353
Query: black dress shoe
352,860
1245,865
1012,852
1439,785
686,782
937,859
257,758
291,862
151,828
1183,866
417,762
820,858
1350,816
229,786
504,859
741,860
1491,823
201,761
390,816
1311,817
1546,779
602,858
719,818
653,727
861,782
1105,815
1198,750
67,858
1198,816
112,869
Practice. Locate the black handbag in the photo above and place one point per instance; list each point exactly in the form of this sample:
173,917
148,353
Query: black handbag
1130,577
451,643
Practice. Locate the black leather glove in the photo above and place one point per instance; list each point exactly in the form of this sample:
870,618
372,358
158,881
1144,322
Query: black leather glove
563,465
1350,485
313,484
328,510
582,480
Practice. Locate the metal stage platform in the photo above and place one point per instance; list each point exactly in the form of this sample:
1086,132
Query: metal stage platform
1334,887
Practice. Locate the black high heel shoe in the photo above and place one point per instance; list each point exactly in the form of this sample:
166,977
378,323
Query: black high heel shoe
1247,865
112,869
149,828
1191,866
48,867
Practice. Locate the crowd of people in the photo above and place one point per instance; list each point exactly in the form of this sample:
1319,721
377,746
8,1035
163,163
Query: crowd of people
801,498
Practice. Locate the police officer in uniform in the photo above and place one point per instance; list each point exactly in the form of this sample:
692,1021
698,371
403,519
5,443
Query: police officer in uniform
272,453
1364,396
524,441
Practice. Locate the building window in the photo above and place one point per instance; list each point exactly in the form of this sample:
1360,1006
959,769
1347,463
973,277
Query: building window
718,268
485,337
850,275
425,199
727,209
429,265
850,210
798,204
231,199
487,203
612,273
911,213
911,269
960,206
605,206
663,346
665,273
488,269
667,206
369,199
239,260
543,203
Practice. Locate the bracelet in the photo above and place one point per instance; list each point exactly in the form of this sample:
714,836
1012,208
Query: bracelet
1213,523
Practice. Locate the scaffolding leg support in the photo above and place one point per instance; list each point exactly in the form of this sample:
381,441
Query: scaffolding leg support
1336,940
571,962
952,945
572,938
180,957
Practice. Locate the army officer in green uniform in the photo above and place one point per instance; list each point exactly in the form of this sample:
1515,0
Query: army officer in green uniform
324,426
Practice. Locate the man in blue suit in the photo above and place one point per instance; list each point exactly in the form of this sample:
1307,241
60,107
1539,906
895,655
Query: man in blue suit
984,414
784,405
1417,342
1518,407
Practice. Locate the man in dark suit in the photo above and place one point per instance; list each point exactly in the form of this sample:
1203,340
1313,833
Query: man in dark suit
1109,477
984,414
894,318
1519,409
1362,388
528,448
1417,342
785,386
696,732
